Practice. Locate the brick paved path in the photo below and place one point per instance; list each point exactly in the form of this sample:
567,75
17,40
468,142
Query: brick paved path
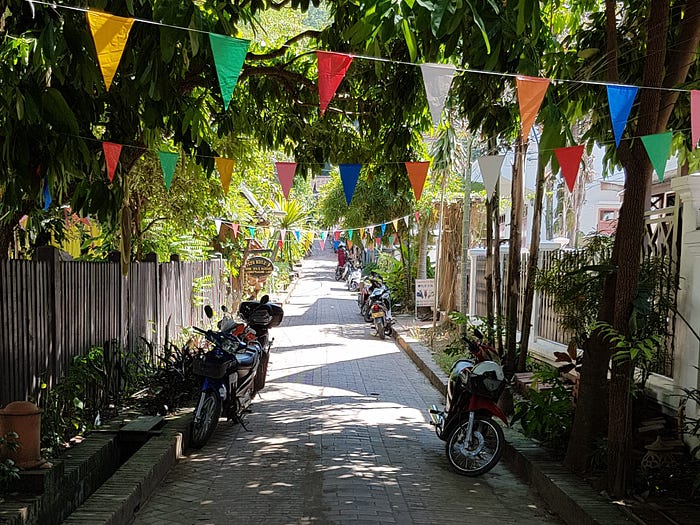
339,435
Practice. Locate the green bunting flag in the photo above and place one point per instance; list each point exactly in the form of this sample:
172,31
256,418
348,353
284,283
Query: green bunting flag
168,161
229,55
658,148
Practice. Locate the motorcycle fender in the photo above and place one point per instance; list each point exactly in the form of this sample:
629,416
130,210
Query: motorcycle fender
212,384
477,403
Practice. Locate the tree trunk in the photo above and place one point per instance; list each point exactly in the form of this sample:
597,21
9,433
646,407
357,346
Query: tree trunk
528,300
489,270
497,266
516,213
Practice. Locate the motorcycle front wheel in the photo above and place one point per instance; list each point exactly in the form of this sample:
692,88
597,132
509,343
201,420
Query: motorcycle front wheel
481,453
204,425
379,325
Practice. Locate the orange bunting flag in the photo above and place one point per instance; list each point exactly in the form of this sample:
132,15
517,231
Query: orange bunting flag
331,71
531,91
112,152
225,167
349,244
569,160
417,173
285,174
110,34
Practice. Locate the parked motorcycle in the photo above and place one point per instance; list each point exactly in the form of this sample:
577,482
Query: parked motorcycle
354,277
260,316
380,310
473,440
228,370
367,286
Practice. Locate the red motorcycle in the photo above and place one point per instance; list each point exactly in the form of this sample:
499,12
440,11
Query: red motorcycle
473,440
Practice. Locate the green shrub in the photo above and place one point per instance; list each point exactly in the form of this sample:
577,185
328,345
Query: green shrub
546,414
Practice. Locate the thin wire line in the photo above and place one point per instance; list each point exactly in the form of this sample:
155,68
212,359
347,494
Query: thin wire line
381,59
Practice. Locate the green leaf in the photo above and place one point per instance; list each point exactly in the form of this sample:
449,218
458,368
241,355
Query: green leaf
480,24
53,102
410,39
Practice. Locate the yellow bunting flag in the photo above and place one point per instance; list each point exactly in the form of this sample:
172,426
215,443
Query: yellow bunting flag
396,224
225,167
110,34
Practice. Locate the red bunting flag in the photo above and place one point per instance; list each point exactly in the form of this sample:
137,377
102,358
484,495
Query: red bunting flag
417,173
280,243
322,243
331,71
336,235
285,174
531,91
417,216
569,160
112,152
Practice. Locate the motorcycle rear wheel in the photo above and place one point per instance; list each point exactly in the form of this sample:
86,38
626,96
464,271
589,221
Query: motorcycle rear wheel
380,326
481,454
204,427
261,373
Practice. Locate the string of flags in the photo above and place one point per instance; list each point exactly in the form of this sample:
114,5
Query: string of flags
370,231
110,34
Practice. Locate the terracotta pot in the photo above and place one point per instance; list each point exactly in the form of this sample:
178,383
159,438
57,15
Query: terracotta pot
24,419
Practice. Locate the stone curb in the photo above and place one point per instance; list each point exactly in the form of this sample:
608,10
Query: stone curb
118,499
573,500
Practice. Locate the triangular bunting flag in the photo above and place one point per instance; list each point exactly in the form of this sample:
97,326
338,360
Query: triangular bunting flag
229,54
417,173
569,160
168,161
285,174
490,166
234,227
349,244
370,231
217,223
396,224
280,243
297,234
405,219
695,117
331,71
350,234
349,174
620,100
416,215
658,148
377,241
251,230
110,34
322,244
362,233
531,91
383,228
283,233
225,167
46,194
323,236
111,152
437,79
336,235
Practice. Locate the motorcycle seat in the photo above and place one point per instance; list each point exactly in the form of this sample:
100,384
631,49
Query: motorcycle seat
246,359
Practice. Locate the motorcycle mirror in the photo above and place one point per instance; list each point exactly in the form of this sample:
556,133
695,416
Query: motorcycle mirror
224,309
208,311
265,299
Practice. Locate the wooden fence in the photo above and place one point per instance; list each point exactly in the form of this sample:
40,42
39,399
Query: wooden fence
52,310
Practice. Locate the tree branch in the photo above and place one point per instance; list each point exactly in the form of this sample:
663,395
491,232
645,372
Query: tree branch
310,33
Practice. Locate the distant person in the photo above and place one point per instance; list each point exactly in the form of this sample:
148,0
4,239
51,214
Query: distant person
342,257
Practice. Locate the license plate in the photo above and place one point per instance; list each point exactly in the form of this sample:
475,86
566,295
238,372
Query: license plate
377,314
